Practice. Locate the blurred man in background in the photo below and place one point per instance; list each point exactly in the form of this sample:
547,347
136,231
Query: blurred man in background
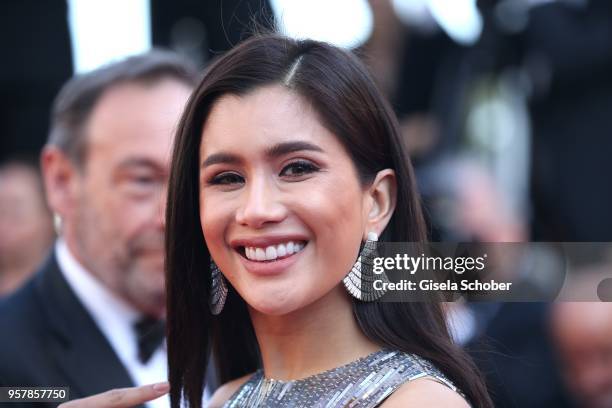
509,341
92,317
26,227
583,334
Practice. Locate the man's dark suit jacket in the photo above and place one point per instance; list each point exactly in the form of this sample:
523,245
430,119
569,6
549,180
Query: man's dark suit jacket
48,339
516,355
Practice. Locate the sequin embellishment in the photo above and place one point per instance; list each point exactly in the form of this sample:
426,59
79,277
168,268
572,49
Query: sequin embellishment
364,383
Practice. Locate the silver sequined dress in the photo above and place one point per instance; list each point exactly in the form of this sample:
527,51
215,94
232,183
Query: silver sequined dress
364,383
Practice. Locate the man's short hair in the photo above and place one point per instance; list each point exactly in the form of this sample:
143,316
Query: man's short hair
78,97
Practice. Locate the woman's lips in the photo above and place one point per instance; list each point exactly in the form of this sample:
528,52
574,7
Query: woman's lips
270,267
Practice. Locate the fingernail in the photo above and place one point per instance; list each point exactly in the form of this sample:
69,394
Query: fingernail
162,387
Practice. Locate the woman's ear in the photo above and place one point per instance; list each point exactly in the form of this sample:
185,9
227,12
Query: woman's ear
381,199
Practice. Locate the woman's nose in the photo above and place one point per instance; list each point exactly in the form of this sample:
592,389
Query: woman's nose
260,205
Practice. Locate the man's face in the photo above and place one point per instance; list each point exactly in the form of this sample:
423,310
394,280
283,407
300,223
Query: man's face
116,226
26,228
583,333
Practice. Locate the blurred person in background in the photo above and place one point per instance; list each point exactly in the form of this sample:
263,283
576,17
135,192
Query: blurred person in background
509,341
26,227
535,78
583,336
92,318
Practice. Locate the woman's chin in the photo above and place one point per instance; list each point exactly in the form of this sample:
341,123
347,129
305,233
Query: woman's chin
274,307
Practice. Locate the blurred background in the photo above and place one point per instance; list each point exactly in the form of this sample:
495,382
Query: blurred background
505,106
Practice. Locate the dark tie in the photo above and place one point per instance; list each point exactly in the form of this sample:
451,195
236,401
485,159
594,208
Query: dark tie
150,334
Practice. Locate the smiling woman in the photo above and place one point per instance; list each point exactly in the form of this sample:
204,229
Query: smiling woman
287,167
290,185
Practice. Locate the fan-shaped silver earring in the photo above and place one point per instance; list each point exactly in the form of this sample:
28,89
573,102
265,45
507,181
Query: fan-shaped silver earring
218,289
360,280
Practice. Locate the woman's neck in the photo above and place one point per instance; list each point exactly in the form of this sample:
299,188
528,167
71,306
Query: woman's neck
316,338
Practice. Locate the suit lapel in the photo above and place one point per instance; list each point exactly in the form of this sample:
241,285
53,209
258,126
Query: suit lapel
77,345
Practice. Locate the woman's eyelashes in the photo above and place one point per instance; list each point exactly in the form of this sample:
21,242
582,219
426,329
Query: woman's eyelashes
227,178
298,169
294,171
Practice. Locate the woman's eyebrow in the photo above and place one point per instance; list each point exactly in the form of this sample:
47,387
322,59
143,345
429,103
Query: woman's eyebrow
277,150
281,149
221,157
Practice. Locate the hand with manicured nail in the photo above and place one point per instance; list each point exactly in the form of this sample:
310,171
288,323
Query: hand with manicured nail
121,397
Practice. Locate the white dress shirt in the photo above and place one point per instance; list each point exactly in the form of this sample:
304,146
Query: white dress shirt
115,319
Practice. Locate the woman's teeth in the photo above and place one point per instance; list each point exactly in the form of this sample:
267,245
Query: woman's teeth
274,251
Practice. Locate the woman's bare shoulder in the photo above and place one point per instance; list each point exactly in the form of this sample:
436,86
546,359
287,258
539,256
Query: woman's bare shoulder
425,392
225,391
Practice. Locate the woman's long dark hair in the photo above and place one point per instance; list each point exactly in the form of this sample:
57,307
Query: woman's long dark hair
348,103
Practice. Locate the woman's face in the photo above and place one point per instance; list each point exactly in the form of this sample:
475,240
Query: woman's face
281,206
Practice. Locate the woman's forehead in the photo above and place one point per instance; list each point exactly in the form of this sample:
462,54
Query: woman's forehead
264,117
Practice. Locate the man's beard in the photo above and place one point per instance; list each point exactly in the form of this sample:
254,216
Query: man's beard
143,267
132,269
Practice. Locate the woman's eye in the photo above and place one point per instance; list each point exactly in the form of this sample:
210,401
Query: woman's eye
227,178
299,168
